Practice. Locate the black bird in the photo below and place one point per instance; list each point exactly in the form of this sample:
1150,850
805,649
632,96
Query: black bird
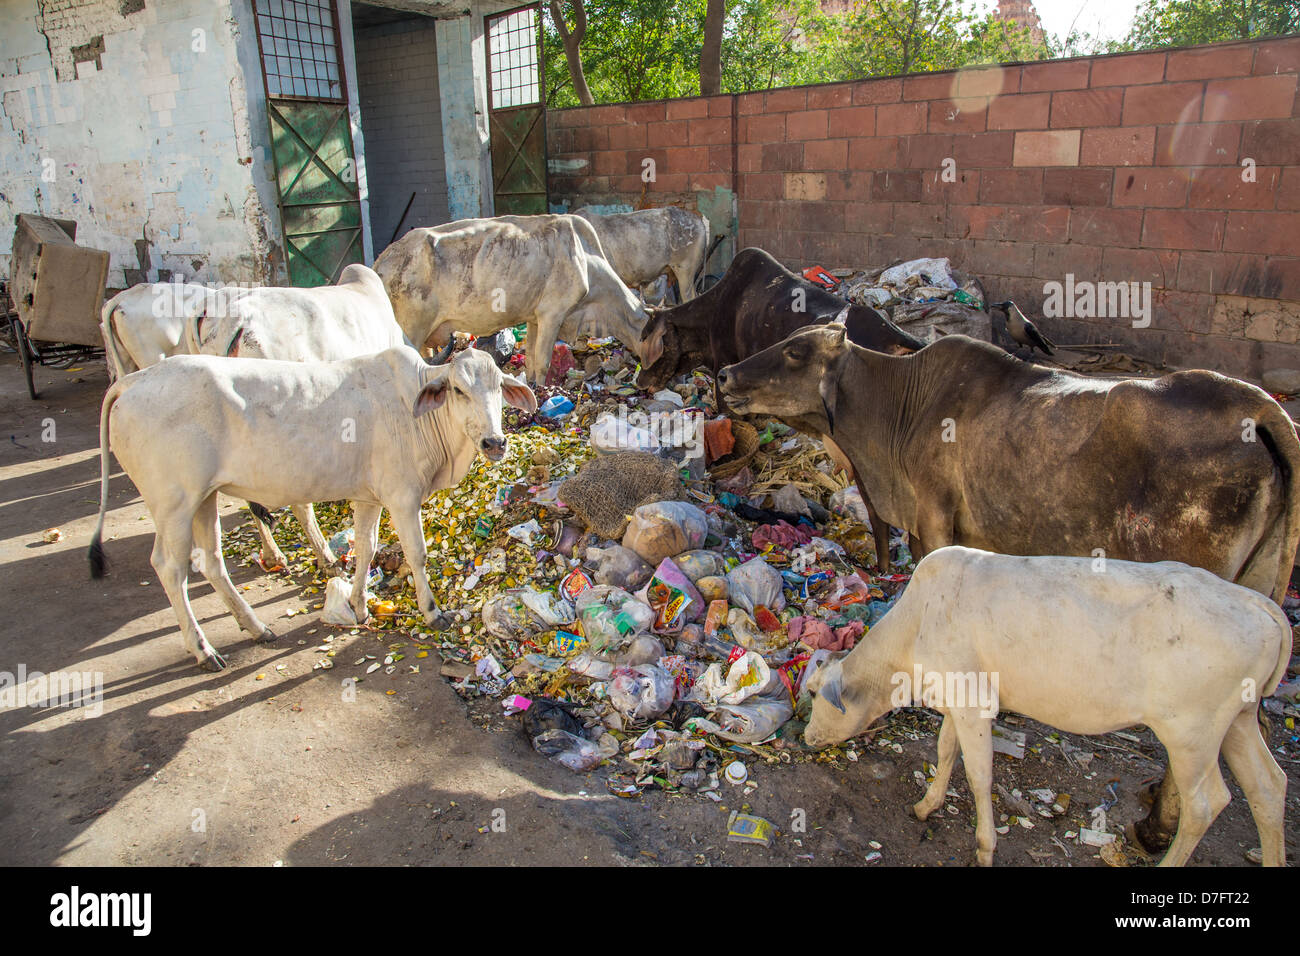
1022,330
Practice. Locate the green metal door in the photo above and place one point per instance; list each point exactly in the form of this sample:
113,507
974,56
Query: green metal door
311,138
516,117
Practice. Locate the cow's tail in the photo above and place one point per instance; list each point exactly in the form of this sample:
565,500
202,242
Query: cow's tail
96,554
113,348
1276,432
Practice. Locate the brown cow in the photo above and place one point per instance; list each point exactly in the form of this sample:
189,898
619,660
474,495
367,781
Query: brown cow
961,443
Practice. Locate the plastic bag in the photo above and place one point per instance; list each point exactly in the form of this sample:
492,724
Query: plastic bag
547,608
664,529
848,502
934,272
756,719
700,564
642,692
753,583
510,615
744,678
815,552
672,597
618,566
338,609
576,753
610,434
608,613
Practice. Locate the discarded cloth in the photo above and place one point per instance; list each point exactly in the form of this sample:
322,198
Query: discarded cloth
817,634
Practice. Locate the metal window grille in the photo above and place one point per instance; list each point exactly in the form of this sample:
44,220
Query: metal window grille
512,40
300,48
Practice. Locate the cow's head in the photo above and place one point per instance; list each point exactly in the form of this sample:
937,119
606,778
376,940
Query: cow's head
796,378
842,710
472,388
609,307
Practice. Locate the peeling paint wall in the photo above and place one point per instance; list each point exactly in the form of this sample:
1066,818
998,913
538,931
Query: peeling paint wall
136,119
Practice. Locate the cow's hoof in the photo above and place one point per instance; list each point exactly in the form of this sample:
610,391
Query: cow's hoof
920,812
212,662
266,637
1151,836
438,620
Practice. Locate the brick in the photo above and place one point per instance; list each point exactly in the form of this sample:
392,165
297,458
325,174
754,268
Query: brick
1200,63
872,92
1224,188
981,150
1183,229
1157,266
1261,232
897,185
1011,185
928,86
1054,75
1162,103
1271,142
976,221
991,257
720,105
1107,227
986,81
1077,187
825,97
826,154
926,152
749,158
876,152
965,115
768,128
782,156
1055,148
1277,56
812,216
848,184
1134,146
710,181
1226,273
710,131
918,219
671,133
646,112
687,109
756,214
1056,260
587,138
779,100
900,119
964,188
748,104
1251,97
720,159
1132,69
609,163
852,121
1198,144
1021,111
627,137
681,159
1072,108
1150,187
1288,193
873,217
762,186
809,186
807,124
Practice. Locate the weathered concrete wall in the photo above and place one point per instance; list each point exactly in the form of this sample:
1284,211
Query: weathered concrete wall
397,66
140,126
1176,168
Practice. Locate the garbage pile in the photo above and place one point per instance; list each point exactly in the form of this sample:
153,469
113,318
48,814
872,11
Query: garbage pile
641,583
926,297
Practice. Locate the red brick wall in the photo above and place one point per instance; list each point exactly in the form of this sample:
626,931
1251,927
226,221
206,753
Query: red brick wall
1116,169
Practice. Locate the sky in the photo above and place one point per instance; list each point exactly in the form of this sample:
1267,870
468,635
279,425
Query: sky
1104,19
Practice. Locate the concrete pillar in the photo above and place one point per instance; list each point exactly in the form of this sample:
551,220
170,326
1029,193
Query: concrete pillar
462,86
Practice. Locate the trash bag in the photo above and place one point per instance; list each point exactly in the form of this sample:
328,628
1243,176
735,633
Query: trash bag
618,566
789,499
545,714
338,610
848,502
610,435
569,750
756,719
608,613
642,692
753,583
673,598
744,678
665,529
700,564
510,615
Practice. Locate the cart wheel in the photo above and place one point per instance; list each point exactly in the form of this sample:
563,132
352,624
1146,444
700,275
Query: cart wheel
25,353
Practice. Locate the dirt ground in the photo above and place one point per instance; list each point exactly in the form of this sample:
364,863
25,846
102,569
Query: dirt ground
269,763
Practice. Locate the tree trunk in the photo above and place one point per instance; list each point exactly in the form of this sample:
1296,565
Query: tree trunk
711,52
572,40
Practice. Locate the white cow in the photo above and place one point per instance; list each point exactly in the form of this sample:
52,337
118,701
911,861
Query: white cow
1085,648
146,323
383,430
643,244
484,275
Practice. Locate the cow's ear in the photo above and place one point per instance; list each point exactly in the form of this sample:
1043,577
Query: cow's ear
517,393
832,690
433,391
842,318
652,345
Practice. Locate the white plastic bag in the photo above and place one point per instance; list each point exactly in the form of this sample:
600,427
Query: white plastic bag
642,692
338,607
753,583
745,677
610,434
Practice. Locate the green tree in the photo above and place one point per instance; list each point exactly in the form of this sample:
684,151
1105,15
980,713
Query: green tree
1161,23
767,43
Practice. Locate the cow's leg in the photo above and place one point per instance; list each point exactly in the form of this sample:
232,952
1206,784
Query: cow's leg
879,536
975,735
273,558
547,330
365,526
1202,794
946,759
410,533
207,541
325,559
171,561
1261,780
